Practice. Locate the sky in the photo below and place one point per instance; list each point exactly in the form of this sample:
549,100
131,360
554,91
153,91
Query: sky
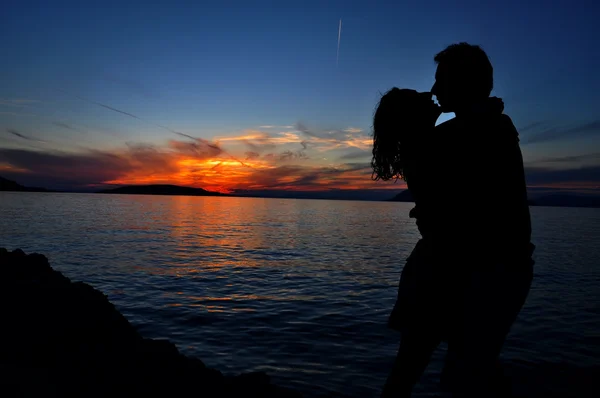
257,95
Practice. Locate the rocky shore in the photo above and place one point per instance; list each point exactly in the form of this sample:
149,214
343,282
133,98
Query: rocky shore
65,339
62,339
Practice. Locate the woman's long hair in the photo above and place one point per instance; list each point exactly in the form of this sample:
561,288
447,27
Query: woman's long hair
391,122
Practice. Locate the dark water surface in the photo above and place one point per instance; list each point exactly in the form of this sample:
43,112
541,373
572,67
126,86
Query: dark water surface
300,289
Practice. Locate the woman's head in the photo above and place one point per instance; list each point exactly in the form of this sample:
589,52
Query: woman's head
394,117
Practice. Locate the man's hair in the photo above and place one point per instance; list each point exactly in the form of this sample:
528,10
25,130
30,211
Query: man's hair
472,65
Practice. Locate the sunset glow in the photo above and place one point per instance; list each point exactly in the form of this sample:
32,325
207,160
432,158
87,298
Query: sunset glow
253,160
226,102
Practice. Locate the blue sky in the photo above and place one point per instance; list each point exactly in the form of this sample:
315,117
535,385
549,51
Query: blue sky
227,69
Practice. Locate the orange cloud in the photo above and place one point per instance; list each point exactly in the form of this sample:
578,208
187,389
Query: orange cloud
253,160
303,159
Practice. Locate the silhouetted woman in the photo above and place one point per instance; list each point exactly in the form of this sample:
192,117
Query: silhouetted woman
402,126
468,276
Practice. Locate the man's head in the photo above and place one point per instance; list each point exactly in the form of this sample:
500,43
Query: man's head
464,77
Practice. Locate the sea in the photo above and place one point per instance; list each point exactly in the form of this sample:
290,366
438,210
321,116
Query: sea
301,289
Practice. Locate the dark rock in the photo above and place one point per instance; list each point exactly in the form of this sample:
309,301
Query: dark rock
63,339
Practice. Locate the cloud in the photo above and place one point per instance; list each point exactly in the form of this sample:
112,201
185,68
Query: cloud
80,169
333,139
271,159
23,136
204,148
302,159
356,154
540,175
280,146
353,130
260,141
193,163
19,114
570,158
298,154
17,101
305,177
275,127
191,147
198,148
542,132
150,159
67,126
290,155
136,162
181,162
531,126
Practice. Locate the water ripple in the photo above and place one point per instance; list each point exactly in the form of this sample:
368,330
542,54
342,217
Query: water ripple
298,288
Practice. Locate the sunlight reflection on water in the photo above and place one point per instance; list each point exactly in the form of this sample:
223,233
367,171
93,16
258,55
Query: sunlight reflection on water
298,288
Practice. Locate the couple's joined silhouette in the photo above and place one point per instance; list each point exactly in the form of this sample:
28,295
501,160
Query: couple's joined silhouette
469,275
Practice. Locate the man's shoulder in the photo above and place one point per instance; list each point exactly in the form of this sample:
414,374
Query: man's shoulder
506,120
450,124
501,120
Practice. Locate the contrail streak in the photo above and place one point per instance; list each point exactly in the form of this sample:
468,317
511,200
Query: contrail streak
337,58
199,140
23,136
102,105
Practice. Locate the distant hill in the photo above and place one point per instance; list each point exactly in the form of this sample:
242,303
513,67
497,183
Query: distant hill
328,194
161,190
404,196
556,200
9,185
567,200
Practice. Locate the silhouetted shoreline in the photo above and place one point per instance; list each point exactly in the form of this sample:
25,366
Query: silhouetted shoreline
559,199
159,189
13,186
61,338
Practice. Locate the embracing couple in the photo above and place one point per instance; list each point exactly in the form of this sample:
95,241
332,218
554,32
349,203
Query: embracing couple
470,273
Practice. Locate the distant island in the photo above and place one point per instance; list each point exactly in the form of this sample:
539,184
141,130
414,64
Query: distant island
9,185
160,190
328,194
404,196
551,200
567,200
558,199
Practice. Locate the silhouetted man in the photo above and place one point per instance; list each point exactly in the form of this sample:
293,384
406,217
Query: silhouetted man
482,226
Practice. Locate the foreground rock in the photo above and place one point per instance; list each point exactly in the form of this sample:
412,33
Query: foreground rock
60,338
